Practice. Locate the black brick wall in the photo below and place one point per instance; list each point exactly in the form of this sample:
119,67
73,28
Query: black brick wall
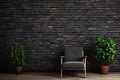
46,27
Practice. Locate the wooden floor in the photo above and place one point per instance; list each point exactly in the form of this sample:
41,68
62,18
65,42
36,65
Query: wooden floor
55,76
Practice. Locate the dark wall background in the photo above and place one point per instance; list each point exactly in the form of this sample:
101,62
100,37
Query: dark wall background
46,27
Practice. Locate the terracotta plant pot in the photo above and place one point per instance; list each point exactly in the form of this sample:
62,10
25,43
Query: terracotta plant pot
18,69
104,69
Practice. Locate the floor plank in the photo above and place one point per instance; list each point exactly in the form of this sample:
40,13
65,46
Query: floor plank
55,76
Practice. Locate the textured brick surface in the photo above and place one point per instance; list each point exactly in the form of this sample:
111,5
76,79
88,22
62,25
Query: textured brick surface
46,27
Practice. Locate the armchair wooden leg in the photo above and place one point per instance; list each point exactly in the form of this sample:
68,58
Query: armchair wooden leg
85,73
61,73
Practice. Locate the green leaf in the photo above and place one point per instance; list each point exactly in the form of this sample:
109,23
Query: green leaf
105,49
17,56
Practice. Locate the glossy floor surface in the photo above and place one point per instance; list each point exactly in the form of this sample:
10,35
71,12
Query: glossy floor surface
55,76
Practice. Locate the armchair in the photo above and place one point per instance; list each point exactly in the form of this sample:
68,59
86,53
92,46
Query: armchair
73,59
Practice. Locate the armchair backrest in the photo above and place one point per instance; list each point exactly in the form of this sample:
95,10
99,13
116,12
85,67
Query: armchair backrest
73,53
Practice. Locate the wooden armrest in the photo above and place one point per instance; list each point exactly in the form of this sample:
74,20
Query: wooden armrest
84,59
62,56
61,59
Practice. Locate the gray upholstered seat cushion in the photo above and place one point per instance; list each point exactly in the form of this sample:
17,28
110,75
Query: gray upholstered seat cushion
73,64
73,53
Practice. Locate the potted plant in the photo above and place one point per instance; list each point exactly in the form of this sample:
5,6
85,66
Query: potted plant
17,57
105,52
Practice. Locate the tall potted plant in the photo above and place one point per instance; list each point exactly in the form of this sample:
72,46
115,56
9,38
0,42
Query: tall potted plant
105,52
17,57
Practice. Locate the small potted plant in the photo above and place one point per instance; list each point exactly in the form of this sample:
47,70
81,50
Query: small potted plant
17,57
105,52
